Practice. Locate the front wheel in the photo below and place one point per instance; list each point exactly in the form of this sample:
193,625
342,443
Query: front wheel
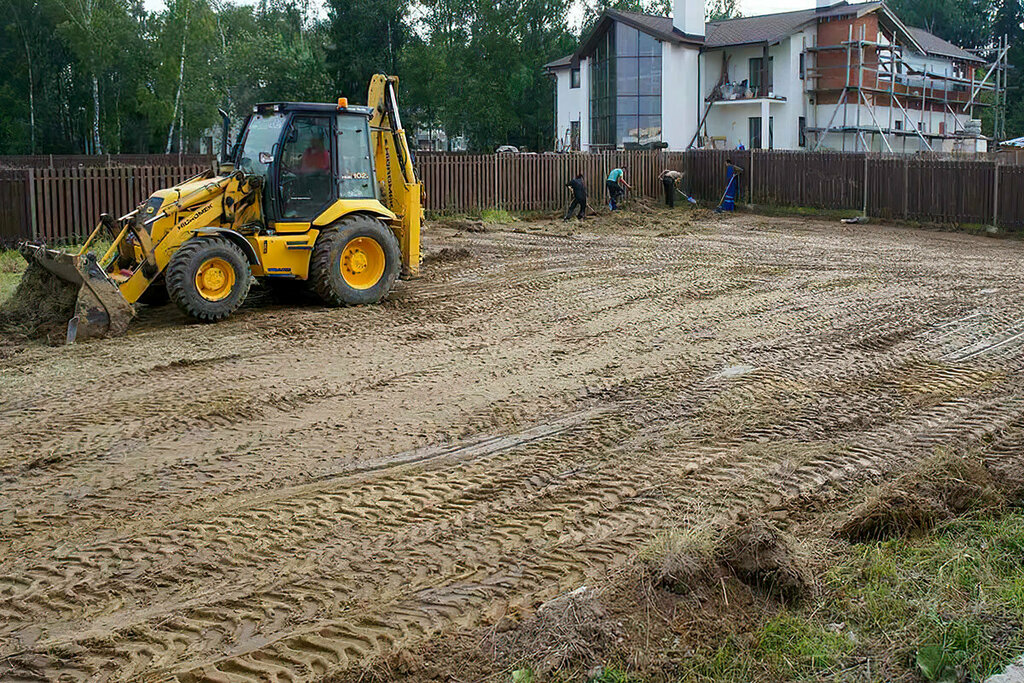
355,261
208,278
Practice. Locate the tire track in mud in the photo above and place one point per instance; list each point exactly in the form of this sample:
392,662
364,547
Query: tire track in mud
707,377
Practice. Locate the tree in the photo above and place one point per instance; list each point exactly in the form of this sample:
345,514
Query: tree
365,37
1009,22
719,10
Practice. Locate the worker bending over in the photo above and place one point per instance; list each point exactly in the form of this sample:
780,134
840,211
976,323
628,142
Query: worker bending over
732,187
579,197
670,180
616,181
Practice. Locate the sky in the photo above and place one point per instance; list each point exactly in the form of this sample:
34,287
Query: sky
747,7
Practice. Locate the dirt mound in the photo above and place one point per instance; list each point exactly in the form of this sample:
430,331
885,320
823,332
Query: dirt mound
40,306
447,255
763,556
942,487
752,549
565,638
568,634
680,560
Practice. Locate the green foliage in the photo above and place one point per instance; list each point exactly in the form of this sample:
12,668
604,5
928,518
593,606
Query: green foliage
366,37
496,216
522,676
944,605
717,10
11,266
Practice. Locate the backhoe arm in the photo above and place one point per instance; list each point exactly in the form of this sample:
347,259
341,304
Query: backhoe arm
394,168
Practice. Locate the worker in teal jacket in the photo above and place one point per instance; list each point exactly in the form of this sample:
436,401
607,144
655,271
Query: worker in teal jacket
616,181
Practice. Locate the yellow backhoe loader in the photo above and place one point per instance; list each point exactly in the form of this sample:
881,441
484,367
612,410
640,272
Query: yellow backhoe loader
324,194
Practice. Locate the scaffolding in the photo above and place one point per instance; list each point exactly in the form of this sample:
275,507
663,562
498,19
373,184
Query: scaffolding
879,92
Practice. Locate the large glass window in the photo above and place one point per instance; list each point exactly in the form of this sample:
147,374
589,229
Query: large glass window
305,183
602,92
625,88
261,136
355,175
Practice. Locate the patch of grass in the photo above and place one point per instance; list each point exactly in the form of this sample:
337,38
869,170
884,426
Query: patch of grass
496,216
808,211
11,267
792,645
939,606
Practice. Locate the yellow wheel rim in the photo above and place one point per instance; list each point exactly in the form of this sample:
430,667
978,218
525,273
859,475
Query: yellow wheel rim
362,263
215,279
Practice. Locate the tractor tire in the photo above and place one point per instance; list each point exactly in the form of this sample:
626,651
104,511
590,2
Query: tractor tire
208,278
355,261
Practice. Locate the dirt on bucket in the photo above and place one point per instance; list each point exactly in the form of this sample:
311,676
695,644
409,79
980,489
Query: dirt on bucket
40,307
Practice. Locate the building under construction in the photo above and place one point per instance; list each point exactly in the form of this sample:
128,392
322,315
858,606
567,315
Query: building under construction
838,76
873,84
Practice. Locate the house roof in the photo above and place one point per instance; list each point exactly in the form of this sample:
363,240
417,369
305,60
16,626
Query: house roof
560,63
763,29
934,45
772,28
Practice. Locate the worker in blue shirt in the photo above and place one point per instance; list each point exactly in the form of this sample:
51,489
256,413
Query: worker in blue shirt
616,181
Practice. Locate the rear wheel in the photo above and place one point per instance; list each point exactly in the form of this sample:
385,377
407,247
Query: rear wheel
355,261
208,278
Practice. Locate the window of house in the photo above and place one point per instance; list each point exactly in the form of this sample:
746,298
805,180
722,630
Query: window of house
626,104
602,91
898,124
802,131
754,131
801,66
757,72
574,78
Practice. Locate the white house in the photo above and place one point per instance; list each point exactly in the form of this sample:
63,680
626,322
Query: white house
839,76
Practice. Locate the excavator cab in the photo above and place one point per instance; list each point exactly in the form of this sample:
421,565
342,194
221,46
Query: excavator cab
324,195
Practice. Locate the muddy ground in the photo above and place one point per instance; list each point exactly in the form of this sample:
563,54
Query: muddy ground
297,491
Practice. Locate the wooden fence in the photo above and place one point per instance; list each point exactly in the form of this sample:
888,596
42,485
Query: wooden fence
954,191
63,202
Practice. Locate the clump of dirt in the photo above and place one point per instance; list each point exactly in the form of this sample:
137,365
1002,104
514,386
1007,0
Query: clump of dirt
761,555
562,640
568,634
751,549
447,255
942,487
40,307
680,560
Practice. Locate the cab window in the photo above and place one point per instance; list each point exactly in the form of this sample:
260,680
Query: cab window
261,136
355,165
305,184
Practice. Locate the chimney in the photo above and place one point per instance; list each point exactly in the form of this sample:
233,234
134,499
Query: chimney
688,16
826,4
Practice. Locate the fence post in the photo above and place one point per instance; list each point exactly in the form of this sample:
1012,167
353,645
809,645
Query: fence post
32,204
906,187
750,183
995,197
865,209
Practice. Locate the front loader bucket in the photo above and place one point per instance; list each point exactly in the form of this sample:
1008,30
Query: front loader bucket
100,310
